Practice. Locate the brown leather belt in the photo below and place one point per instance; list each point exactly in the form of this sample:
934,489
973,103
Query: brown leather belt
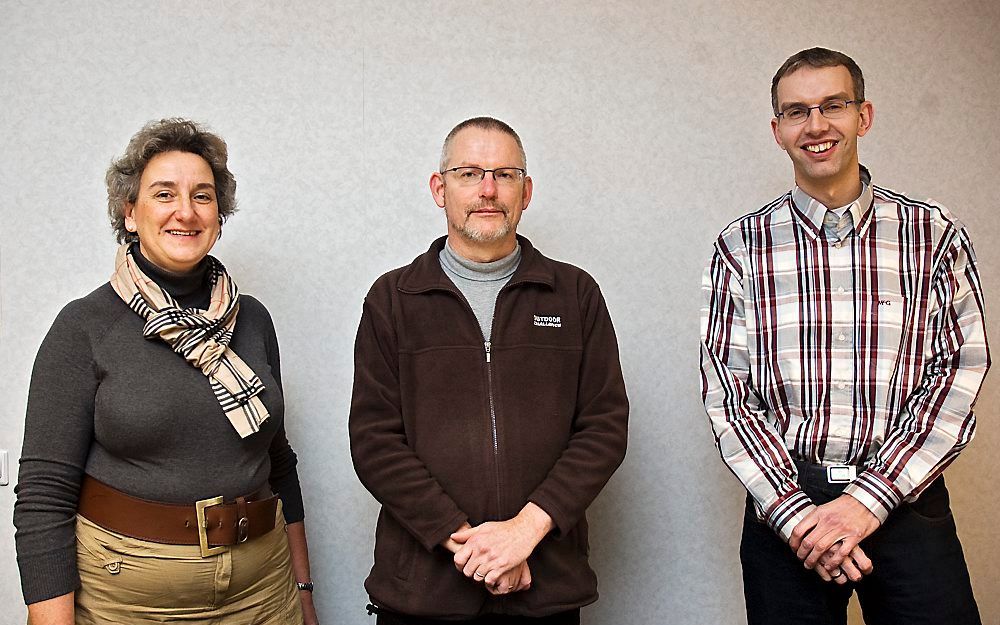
209,523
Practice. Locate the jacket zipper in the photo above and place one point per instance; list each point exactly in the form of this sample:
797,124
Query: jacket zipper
488,345
493,424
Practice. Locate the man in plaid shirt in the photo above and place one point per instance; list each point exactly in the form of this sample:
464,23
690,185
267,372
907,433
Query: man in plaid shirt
843,347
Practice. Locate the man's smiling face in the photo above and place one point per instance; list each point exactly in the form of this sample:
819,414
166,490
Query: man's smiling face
824,151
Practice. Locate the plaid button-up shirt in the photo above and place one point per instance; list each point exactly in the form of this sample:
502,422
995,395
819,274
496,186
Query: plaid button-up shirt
866,351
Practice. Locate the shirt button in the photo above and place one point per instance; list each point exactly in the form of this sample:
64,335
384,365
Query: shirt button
841,337
840,290
837,245
842,385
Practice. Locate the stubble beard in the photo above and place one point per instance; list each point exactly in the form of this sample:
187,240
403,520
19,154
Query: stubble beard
480,235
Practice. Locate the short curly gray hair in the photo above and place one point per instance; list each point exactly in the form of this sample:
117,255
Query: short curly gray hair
156,137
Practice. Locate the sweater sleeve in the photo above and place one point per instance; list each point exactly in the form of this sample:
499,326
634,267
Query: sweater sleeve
284,477
58,432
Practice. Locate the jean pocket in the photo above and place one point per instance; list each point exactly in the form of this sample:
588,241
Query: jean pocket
91,551
933,505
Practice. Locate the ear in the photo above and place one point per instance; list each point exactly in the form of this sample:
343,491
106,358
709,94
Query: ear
867,111
777,135
528,187
437,188
130,217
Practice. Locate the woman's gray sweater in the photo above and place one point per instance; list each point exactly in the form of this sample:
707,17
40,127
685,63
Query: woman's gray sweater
130,412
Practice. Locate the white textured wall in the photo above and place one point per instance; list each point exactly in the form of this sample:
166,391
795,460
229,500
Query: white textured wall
646,128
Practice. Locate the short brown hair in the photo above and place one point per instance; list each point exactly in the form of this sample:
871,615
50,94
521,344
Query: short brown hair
156,137
818,57
483,123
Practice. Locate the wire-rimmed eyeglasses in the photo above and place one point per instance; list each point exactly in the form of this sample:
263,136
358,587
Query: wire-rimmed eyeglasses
469,176
831,109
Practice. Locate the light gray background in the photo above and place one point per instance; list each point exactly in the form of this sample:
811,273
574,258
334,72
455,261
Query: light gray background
646,129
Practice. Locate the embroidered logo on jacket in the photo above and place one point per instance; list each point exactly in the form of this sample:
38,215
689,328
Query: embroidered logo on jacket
548,322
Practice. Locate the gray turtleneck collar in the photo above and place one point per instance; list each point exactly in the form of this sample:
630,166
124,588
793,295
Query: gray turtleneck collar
480,283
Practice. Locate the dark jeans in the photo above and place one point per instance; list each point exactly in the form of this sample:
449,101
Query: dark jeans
570,617
919,577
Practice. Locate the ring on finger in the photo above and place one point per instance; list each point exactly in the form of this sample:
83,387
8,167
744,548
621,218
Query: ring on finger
478,575
838,574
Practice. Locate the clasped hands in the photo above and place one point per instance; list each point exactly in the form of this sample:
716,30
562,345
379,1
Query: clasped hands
496,552
829,536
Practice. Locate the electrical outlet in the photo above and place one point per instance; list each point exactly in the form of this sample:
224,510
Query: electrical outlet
4,475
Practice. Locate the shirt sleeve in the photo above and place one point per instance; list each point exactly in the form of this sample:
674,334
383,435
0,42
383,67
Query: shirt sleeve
937,420
387,466
58,432
596,446
750,445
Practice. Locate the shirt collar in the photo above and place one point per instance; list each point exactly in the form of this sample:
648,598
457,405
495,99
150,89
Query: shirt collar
811,211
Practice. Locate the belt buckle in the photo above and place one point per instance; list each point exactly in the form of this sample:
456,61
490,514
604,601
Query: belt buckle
199,507
841,473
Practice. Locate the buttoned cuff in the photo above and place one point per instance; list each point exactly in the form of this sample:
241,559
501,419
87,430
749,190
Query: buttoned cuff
876,493
788,512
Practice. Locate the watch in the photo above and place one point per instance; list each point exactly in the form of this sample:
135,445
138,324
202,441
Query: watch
305,586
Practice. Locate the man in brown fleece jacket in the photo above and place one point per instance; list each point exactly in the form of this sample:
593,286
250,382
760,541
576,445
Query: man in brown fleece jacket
489,408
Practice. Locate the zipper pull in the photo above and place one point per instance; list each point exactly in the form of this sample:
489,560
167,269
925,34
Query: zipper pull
487,344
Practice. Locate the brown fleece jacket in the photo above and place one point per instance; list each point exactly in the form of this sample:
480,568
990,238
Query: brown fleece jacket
441,433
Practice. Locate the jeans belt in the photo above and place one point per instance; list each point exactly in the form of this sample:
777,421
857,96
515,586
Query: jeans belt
212,524
830,473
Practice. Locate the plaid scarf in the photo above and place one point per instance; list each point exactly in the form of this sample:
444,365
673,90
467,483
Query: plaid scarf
201,337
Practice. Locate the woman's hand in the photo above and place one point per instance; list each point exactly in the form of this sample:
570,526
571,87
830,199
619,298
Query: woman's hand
308,608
